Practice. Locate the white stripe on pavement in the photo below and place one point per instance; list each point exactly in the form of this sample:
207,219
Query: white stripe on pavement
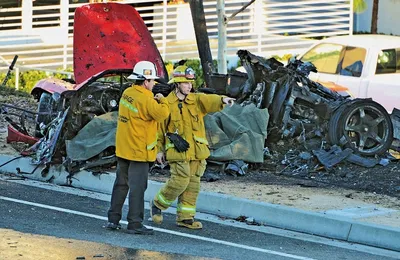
160,229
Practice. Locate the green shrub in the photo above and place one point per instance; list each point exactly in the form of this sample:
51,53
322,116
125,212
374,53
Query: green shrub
196,66
11,80
28,79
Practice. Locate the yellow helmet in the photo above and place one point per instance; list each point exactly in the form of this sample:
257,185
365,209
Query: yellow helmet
182,74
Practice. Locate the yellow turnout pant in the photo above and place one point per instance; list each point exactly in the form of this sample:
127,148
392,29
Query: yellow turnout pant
183,184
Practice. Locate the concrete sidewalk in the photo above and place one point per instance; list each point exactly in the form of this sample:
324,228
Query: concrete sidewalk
325,225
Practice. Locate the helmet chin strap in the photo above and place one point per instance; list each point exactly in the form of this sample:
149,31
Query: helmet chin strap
178,90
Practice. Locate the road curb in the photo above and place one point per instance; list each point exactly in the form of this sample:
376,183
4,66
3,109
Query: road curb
228,206
375,235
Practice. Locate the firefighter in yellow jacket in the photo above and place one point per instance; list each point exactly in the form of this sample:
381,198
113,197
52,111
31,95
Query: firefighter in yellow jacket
186,121
136,146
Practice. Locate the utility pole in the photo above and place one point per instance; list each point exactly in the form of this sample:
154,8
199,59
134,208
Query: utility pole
222,23
203,44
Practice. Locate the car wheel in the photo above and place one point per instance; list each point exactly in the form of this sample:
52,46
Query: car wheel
335,133
364,126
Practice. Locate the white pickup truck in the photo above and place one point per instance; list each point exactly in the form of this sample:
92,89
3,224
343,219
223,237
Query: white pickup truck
364,66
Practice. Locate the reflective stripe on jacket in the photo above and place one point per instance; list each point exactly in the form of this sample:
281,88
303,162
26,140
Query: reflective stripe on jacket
186,119
138,114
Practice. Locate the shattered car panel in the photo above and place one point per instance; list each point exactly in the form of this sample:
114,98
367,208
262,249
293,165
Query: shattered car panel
111,36
51,86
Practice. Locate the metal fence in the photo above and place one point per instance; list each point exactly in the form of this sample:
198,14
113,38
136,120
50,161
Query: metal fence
42,35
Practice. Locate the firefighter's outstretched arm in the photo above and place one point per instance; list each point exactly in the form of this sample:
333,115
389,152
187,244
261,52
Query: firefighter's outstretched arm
212,103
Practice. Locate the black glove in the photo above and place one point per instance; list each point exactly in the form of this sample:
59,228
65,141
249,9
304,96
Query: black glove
181,145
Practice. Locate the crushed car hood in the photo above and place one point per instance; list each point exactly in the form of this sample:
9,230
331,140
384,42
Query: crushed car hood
111,36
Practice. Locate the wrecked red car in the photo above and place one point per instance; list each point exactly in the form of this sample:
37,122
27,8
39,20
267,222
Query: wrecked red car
104,54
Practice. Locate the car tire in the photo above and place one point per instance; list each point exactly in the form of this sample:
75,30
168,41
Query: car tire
335,133
362,125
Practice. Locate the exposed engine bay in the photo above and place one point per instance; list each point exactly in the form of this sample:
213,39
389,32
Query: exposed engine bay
96,99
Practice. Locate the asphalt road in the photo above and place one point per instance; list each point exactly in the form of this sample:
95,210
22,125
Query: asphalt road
38,223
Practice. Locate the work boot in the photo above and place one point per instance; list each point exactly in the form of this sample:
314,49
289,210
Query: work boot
189,223
141,230
155,213
112,226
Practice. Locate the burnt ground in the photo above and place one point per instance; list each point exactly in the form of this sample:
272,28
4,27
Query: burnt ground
290,164
383,180
309,173
285,164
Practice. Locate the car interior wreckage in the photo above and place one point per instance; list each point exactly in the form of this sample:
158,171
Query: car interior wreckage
103,56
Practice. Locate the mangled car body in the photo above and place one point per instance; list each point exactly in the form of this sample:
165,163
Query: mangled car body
104,55
304,108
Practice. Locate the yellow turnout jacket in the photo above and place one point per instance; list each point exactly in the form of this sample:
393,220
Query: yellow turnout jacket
186,119
138,114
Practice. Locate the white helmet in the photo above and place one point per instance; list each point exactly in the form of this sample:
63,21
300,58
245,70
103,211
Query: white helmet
144,70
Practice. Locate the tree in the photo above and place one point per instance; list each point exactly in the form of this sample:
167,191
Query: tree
360,6
203,44
374,21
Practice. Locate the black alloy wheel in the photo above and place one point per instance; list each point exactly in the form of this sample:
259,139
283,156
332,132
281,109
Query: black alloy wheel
363,125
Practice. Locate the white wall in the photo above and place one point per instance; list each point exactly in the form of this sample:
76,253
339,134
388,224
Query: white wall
388,17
